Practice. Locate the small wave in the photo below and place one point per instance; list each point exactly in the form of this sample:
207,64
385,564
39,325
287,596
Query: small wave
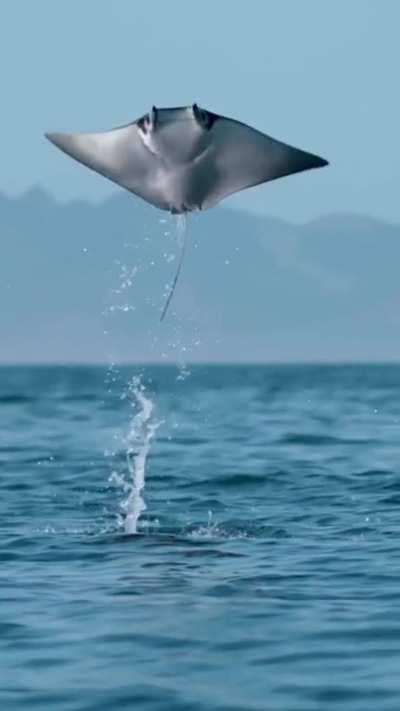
15,399
320,440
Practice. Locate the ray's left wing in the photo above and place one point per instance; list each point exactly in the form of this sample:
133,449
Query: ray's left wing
120,155
242,157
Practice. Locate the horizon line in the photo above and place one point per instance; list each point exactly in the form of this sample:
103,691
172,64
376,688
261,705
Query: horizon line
191,364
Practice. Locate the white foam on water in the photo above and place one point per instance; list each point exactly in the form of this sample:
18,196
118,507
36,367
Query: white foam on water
213,531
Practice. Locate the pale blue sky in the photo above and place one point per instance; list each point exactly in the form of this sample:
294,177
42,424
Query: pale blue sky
319,74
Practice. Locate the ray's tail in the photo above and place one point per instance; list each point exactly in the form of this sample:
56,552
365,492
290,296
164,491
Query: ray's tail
182,233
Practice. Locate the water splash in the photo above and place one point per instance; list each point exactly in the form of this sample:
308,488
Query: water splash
141,432
126,298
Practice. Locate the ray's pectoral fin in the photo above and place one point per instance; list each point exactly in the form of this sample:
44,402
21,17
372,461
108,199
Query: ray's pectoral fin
121,155
244,157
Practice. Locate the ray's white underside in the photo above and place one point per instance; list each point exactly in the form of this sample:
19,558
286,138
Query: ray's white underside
186,158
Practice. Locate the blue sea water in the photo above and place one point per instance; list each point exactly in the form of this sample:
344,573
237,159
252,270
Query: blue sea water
264,573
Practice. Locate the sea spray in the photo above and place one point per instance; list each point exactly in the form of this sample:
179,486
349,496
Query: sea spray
128,299
138,440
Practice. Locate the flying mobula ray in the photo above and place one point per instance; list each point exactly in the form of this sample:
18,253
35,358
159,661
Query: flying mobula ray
184,159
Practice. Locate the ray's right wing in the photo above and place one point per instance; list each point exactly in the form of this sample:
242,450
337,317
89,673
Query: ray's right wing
120,155
241,156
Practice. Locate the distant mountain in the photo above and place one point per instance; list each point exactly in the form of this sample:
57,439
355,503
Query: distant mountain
82,282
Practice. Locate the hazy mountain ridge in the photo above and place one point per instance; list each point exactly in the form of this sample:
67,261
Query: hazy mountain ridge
252,288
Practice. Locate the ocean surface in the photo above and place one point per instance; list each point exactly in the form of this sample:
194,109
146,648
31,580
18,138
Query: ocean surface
210,538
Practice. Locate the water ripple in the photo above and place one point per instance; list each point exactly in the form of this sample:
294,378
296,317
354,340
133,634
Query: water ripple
265,568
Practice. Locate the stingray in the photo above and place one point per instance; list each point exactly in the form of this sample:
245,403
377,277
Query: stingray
185,159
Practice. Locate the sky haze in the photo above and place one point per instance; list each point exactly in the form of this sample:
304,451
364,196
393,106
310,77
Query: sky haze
321,76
